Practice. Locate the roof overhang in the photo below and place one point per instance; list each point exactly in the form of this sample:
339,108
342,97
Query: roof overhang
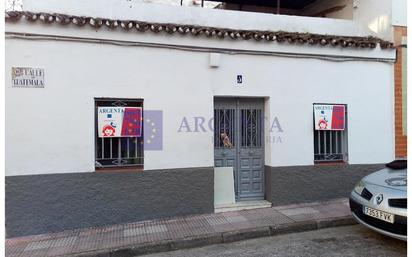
309,39
287,4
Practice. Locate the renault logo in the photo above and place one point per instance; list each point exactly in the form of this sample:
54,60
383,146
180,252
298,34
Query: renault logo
379,198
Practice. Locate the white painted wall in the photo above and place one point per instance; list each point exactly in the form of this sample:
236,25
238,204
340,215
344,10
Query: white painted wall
399,13
60,137
293,85
62,112
376,15
51,130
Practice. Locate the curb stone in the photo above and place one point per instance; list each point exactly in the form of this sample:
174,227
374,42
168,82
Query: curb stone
341,221
217,238
238,235
293,227
157,247
197,241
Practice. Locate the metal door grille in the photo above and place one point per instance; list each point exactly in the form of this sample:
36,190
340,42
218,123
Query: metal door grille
251,126
118,151
224,125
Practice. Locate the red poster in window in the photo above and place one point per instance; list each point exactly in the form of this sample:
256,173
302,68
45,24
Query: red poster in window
329,116
132,122
119,121
338,117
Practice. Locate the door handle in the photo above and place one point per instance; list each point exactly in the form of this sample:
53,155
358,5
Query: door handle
251,152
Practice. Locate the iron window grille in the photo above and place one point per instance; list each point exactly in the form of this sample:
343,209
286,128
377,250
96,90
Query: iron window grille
118,151
330,145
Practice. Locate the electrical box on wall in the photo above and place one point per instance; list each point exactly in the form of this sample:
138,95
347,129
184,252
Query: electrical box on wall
214,60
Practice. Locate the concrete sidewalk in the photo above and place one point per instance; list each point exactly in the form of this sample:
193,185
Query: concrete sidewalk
182,232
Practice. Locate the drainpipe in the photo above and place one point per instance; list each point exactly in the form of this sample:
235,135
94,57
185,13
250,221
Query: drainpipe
278,7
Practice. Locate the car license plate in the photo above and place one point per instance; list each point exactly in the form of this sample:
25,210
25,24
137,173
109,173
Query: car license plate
378,214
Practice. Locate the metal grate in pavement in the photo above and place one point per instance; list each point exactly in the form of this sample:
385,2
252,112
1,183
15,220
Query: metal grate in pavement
137,231
235,219
38,245
298,211
216,220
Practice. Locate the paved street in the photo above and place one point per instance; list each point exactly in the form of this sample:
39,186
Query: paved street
341,241
181,232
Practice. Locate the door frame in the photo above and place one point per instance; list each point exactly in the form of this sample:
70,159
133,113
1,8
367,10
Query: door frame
236,168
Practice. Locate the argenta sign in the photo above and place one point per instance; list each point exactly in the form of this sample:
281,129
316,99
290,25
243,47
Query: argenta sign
329,116
119,121
27,77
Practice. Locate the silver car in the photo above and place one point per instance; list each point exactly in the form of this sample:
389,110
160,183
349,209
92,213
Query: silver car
379,200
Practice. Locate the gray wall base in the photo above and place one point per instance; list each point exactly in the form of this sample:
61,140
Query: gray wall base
39,204
300,184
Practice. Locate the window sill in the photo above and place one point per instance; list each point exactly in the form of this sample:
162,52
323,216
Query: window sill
329,163
119,170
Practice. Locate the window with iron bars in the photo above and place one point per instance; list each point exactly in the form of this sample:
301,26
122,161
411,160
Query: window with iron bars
330,145
118,152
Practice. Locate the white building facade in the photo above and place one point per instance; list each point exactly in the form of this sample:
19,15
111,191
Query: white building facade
190,81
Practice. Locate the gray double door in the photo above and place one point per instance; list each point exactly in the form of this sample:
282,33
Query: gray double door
239,143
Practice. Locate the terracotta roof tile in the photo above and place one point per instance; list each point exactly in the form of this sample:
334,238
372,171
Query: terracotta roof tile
219,33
